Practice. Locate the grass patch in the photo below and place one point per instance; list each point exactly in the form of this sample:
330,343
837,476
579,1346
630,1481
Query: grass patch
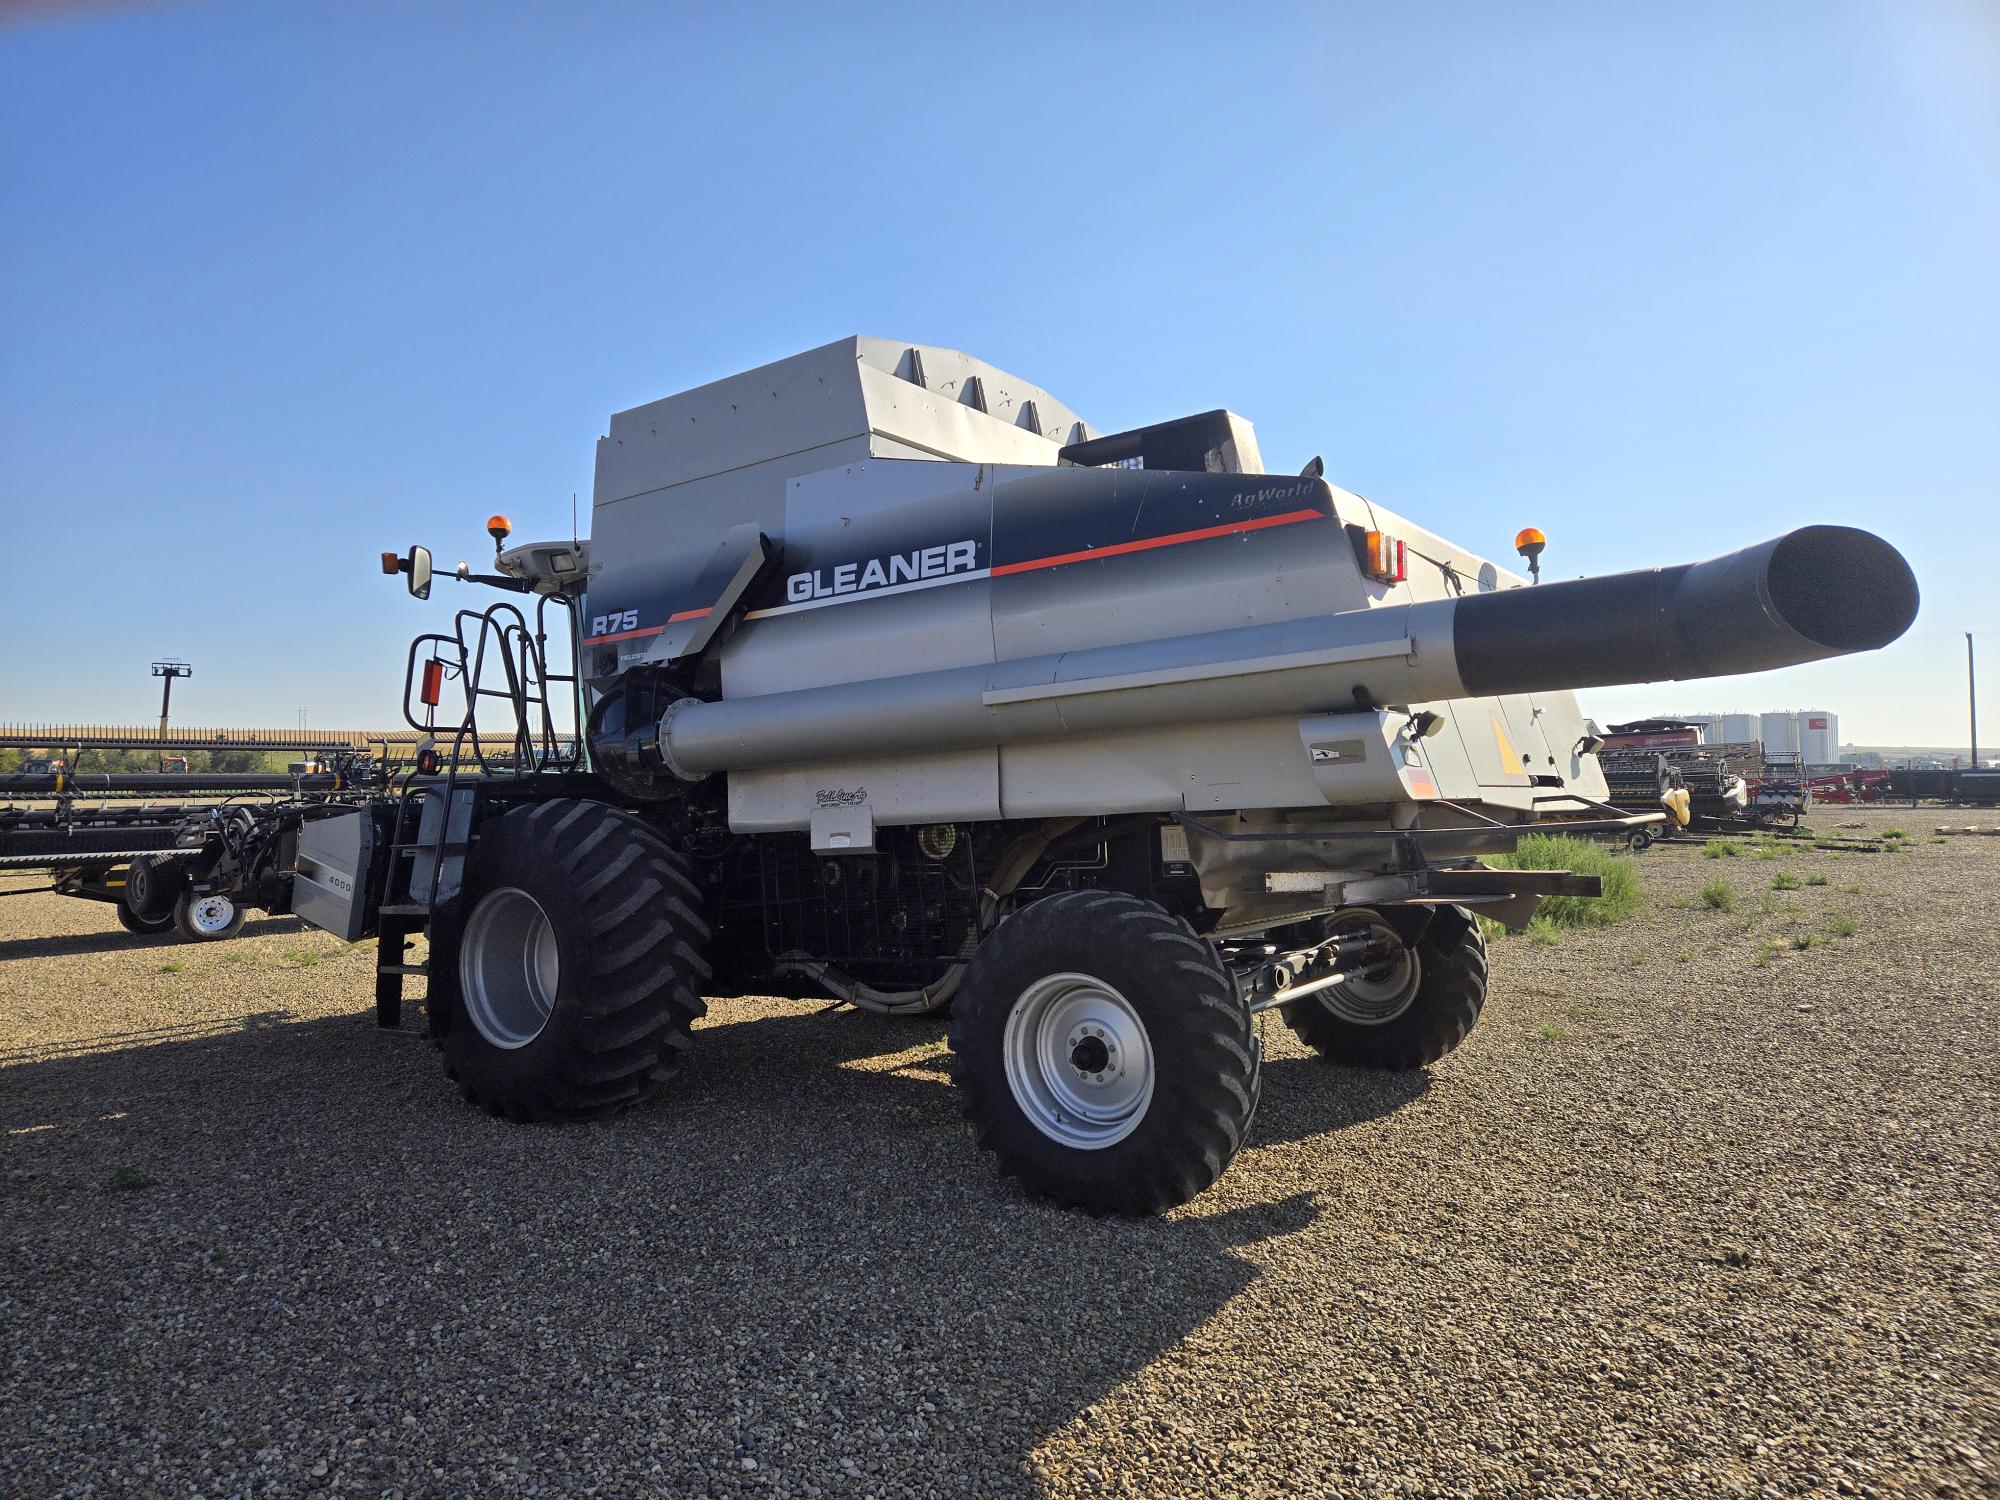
1816,879
1685,956
1623,894
1718,895
1784,880
1894,833
1804,940
1585,1013
1842,926
1543,934
130,1180
1551,1033
303,958
1719,849
1771,851
172,966
1640,958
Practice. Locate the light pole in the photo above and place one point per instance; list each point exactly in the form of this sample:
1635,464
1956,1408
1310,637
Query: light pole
169,670
1972,700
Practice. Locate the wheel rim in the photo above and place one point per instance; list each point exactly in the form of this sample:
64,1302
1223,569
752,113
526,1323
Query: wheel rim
1376,996
1079,1062
210,914
509,968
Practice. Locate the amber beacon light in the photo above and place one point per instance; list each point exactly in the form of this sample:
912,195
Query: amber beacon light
1529,543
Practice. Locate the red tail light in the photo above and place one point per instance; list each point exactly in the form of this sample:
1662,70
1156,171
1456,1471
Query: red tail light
433,688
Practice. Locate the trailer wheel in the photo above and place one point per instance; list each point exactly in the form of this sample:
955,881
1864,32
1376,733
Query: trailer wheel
1408,1012
140,926
1103,1054
575,973
152,886
208,919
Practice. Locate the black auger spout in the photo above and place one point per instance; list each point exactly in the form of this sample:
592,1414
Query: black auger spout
1816,592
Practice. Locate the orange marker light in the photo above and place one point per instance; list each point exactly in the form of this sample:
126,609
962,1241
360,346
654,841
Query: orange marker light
498,527
1529,543
433,688
391,564
1383,558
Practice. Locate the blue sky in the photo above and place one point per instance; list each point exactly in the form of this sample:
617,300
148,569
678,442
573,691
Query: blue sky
284,285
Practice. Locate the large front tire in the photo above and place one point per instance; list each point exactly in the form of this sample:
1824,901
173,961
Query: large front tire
1103,1054
575,974
1407,1012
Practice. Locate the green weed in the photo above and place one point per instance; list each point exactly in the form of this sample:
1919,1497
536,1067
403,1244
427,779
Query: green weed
1718,895
1623,894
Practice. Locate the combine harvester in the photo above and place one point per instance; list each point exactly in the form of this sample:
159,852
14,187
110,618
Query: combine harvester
902,685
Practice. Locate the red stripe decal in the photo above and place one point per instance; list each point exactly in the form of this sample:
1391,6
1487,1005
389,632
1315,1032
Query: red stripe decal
1173,539
687,614
623,635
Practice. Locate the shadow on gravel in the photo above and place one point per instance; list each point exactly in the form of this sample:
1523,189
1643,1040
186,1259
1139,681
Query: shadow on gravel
117,940
797,1258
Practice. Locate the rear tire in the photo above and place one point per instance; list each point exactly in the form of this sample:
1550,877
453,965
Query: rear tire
1103,1054
1398,1018
576,972
208,919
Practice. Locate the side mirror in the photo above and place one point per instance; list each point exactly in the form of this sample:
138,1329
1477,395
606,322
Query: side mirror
418,565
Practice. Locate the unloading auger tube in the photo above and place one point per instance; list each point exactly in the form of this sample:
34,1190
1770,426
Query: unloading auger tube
1817,592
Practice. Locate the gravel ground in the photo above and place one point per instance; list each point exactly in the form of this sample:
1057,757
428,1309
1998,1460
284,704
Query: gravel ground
1672,1221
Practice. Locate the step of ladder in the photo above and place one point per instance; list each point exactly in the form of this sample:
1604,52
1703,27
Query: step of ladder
419,969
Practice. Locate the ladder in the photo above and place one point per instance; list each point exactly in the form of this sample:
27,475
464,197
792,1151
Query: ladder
433,828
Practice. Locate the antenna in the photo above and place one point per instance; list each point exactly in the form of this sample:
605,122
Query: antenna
572,518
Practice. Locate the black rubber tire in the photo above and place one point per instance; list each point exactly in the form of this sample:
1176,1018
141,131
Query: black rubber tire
1451,991
629,935
152,886
184,921
1206,1055
140,926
